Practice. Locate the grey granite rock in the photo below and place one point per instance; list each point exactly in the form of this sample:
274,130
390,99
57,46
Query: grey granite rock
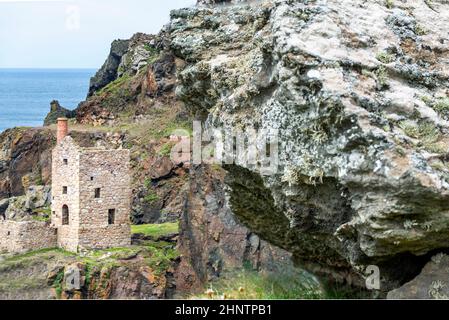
358,92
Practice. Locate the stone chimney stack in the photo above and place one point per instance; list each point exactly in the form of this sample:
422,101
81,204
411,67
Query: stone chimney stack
62,130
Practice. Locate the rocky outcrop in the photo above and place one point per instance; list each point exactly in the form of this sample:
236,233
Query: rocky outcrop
144,77
126,58
34,205
358,92
213,240
109,70
57,111
142,49
25,159
431,283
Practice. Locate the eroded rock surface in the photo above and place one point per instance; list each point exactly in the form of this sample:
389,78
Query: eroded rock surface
358,91
213,240
25,160
431,283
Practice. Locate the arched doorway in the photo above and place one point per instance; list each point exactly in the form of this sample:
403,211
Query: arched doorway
65,215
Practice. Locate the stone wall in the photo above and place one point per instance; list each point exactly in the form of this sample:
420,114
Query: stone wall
112,236
25,236
107,170
66,174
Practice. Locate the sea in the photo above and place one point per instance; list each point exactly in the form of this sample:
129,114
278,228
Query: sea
25,94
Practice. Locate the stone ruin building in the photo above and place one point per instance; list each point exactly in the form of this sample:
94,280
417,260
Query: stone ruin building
91,201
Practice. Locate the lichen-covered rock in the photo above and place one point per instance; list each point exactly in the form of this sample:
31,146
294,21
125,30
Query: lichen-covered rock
215,2
358,92
142,48
34,204
431,283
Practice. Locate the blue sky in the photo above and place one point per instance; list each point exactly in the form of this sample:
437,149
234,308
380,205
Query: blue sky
74,33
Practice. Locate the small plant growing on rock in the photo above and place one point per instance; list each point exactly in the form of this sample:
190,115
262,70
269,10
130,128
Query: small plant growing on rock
442,106
385,57
166,149
427,100
420,30
427,134
389,4
382,78
151,197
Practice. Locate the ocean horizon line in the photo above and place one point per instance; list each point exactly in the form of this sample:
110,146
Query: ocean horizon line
43,68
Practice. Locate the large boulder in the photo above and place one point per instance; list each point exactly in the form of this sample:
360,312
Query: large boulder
431,283
358,92
34,204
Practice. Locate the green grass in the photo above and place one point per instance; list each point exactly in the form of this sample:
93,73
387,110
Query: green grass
151,197
31,258
32,254
160,256
156,230
57,284
171,127
42,214
166,149
115,85
154,53
245,284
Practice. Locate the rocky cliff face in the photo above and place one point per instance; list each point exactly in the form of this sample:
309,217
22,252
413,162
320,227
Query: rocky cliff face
24,160
213,240
358,91
108,71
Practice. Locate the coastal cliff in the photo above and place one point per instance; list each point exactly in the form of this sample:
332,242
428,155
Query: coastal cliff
358,93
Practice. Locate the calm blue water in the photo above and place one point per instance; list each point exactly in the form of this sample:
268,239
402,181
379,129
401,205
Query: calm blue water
25,94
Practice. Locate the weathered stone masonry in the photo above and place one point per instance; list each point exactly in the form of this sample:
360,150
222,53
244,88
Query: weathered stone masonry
90,202
91,196
21,236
